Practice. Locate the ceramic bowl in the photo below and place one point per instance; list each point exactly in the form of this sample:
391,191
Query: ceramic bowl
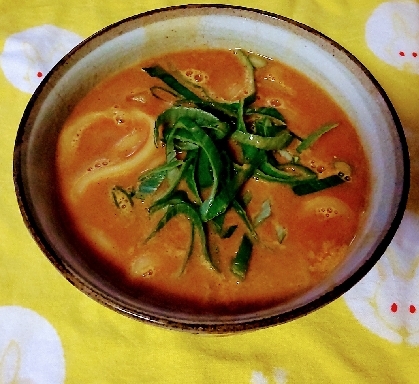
177,28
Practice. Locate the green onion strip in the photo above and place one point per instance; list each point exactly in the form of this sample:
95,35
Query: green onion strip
203,128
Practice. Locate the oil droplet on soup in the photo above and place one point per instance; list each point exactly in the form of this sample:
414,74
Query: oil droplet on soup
108,143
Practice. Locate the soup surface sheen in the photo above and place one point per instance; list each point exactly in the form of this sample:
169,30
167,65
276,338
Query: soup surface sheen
108,141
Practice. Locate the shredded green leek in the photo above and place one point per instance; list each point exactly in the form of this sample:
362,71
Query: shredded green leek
310,139
265,212
240,263
202,128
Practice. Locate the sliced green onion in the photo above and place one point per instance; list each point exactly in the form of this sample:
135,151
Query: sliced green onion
189,176
243,216
257,60
240,263
218,222
202,130
204,141
281,233
172,82
265,212
151,180
201,118
204,171
227,193
176,197
274,116
226,109
163,93
266,143
317,185
247,197
310,139
249,76
182,208
288,173
121,196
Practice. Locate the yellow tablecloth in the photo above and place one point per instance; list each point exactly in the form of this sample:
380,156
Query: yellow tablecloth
52,333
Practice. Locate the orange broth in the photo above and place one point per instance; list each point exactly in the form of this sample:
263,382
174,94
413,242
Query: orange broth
117,132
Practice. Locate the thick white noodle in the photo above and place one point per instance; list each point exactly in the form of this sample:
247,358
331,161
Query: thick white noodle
70,140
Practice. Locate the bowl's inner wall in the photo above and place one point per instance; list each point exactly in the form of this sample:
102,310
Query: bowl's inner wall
138,39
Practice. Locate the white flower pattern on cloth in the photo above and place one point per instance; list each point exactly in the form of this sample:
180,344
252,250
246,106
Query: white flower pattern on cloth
386,300
30,348
279,375
30,54
392,33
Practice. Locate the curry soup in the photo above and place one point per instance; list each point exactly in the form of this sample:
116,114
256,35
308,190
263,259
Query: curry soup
262,219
